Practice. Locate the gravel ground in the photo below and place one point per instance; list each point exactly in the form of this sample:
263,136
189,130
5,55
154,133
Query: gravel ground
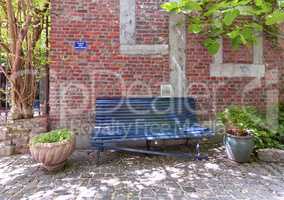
132,176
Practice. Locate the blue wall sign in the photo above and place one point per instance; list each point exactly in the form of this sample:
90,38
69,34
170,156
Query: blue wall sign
80,45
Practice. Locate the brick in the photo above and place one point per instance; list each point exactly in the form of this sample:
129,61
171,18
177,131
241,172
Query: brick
3,133
6,150
17,133
5,142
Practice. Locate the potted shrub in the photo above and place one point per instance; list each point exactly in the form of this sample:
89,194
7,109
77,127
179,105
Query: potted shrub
52,149
238,139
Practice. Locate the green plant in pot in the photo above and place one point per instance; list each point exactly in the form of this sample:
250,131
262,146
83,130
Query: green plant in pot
238,140
52,149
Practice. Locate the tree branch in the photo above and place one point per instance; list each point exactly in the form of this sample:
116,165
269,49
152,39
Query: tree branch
38,24
12,24
5,47
25,28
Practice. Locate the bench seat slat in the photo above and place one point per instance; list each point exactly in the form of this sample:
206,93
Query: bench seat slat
143,132
141,118
140,110
153,115
141,123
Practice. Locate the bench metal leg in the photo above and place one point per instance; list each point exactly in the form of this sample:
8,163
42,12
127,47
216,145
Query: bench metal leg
197,151
98,156
148,144
187,142
198,155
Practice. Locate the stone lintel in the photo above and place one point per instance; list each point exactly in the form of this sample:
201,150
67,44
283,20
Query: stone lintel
161,49
237,70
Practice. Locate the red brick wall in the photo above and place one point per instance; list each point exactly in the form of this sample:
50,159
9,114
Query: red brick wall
215,93
231,55
98,71
151,22
281,55
78,77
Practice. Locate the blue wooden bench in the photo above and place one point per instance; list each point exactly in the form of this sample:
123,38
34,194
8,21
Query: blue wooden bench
149,118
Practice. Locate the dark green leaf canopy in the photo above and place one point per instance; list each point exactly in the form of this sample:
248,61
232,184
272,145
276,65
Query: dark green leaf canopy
239,20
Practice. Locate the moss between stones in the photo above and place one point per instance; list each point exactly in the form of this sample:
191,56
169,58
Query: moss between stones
52,136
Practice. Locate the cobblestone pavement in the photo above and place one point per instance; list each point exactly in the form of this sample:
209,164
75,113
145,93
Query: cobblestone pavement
130,176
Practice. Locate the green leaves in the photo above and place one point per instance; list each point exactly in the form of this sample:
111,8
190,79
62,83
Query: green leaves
235,37
230,16
184,6
259,3
195,25
195,28
242,36
239,20
233,34
190,5
170,6
262,6
212,45
52,137
213,9
276,17
280,3
250,119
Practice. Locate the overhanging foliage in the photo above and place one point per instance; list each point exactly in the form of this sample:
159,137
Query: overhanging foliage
239,20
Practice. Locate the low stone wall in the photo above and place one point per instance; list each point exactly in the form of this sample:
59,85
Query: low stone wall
15,135
271,155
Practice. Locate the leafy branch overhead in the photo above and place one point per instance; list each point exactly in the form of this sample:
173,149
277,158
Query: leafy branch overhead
242,21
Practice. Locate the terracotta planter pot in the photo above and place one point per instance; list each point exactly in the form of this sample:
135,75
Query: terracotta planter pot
53,155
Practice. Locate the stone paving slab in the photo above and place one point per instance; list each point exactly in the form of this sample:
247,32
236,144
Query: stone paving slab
131,176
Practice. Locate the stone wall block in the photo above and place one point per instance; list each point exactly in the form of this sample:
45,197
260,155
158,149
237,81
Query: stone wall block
19,132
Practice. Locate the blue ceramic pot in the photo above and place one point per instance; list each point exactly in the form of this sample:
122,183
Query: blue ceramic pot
239,148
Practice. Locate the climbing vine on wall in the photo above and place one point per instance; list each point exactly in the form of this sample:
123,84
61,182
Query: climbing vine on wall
242,21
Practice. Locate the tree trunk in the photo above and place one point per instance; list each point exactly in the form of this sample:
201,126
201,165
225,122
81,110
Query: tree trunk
20,110
16,112
28,111
23,91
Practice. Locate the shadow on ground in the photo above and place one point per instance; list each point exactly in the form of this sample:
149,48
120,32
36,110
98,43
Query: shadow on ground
136,176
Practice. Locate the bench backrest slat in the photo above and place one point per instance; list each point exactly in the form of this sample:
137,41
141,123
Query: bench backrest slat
113,111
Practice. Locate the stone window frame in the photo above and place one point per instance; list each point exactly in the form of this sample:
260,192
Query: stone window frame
220,69
128,44
176,52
